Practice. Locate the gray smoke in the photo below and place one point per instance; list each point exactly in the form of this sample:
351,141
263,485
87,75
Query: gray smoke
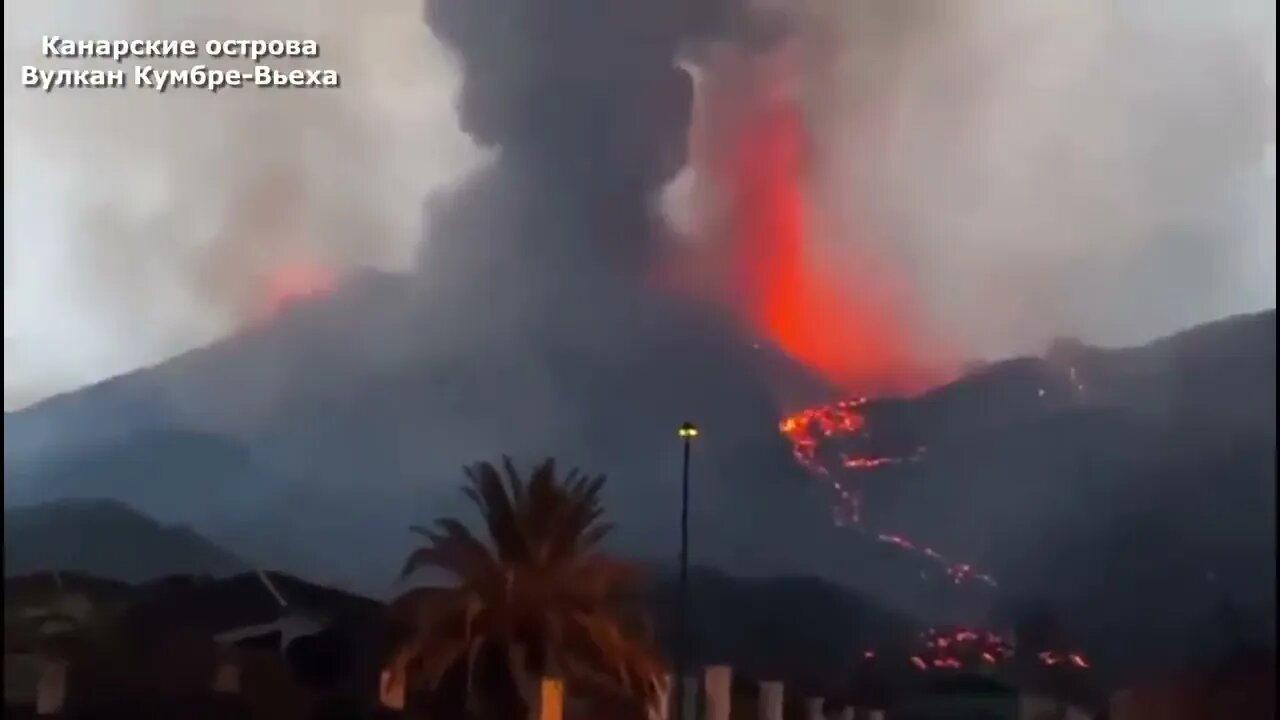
1093,169
1096,169
139,225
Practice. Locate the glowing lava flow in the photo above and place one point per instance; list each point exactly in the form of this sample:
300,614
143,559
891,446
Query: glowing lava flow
808,430
955,649
811,432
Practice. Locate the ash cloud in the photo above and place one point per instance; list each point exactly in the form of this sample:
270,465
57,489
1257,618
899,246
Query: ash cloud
1090,169
588,106
139,225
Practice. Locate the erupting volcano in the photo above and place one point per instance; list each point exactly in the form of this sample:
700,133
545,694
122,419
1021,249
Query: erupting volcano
852,331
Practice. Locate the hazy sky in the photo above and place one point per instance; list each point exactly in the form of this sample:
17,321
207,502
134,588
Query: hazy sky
1035,169
138,225
1094,169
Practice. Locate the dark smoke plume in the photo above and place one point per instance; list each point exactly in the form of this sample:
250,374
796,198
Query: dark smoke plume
586,98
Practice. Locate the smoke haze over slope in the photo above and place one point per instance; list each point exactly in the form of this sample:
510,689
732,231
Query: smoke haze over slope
1030,171
139,225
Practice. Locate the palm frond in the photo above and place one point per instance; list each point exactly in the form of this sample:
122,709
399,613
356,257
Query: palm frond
575,530
514,483
489,492
454,549
539,583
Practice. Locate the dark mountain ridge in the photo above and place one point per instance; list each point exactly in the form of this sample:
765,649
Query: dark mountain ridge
1130,474
106,538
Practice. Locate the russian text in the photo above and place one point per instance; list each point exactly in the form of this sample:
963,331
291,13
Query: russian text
213,80
264,76
200,77
118,50
255,50
50,80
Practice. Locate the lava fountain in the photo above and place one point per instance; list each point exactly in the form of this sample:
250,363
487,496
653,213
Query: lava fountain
834,305
840,329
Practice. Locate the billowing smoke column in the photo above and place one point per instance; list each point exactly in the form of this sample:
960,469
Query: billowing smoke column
586,98
593,113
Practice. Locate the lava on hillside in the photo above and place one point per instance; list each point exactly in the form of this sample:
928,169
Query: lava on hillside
956,648
828,442
851,336
824,441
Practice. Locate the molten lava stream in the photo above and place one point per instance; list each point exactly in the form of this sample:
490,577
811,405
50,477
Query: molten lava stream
808,430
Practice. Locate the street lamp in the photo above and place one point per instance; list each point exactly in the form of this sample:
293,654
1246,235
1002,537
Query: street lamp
688,432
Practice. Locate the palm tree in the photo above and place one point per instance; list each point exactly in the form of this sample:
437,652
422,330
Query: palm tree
540,596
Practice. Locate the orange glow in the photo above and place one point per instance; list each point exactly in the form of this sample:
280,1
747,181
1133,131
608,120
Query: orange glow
848,329
806,428
289,285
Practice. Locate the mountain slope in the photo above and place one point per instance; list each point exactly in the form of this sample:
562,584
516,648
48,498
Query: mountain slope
1129,491
1123,488
373,405
104,538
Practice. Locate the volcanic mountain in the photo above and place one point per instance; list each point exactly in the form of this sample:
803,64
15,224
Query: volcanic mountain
1101,484
106,539
351,417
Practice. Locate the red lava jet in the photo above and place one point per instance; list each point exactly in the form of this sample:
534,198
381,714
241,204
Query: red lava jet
848,329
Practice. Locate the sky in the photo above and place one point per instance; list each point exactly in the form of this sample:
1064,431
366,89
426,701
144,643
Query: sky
1087,169
1095,169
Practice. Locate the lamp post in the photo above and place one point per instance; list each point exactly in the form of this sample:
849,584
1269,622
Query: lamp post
688,432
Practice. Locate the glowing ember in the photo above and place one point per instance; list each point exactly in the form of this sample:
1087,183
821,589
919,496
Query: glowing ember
293,284
960,648
956,648
1059,658
959,573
